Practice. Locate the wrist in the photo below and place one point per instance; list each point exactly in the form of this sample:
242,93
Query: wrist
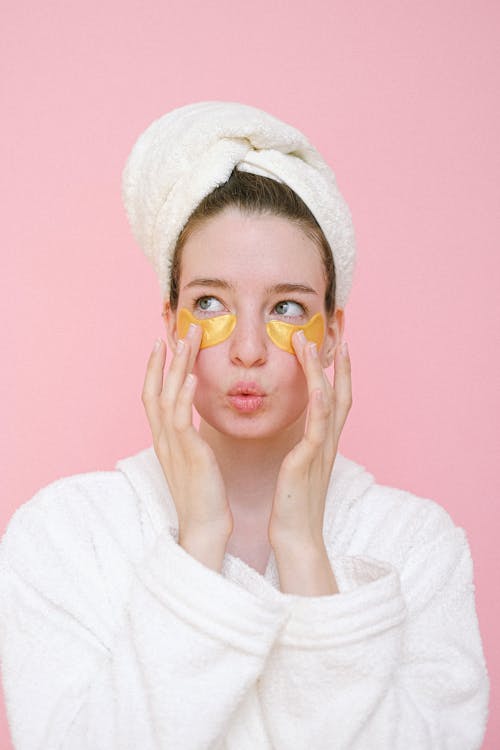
294,544
304,568
207,548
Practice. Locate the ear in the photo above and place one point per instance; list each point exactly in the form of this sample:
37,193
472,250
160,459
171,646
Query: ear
170,318
333,336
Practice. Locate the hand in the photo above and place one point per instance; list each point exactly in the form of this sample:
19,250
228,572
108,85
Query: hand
299,500
189,464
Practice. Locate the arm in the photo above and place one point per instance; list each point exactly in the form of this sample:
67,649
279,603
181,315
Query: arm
392,661
98,653
305,570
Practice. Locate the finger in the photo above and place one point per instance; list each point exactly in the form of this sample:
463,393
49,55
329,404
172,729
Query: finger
194,336
315,374
303,347
183,415
178,368
318,425
342,387
299,342
153,383
328,384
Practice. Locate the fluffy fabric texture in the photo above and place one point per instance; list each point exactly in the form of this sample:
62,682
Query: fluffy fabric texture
184,155
113,637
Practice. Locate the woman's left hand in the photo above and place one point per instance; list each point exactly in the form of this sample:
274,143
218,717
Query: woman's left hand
297,513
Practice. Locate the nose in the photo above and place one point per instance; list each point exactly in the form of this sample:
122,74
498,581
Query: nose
249,341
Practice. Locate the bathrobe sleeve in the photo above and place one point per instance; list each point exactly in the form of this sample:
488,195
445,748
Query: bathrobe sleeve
393,661
100,653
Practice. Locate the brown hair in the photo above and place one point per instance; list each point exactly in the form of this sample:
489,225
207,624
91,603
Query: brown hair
257,194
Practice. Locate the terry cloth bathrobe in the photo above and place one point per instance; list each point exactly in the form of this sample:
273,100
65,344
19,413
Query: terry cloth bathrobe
113,637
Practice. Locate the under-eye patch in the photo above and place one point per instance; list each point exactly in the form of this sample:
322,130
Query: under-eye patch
281,333
215,330
219,328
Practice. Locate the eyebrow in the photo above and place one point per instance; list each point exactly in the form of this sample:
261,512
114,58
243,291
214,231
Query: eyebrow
219,283
289,287
283,288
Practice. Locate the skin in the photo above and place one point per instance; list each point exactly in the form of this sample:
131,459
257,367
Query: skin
253,479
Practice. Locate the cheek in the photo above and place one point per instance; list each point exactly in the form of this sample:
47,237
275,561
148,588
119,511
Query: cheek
292,383
208,363
287,369
208,368
288,382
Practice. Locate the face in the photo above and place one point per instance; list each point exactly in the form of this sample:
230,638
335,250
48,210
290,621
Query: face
259,268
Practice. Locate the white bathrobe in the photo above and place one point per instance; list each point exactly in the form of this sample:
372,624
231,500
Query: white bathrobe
113,637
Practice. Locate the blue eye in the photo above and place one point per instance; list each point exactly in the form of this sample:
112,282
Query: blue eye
290,309
208,304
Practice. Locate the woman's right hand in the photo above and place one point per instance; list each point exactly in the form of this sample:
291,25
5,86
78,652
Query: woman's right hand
189,464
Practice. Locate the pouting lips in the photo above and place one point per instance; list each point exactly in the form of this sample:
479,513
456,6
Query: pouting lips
246,389
246,397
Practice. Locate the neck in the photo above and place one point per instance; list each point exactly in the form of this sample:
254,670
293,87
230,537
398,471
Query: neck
250,467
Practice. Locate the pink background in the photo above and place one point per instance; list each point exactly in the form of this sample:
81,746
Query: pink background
401,98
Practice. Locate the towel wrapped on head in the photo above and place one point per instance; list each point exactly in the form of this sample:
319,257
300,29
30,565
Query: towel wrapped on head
184,155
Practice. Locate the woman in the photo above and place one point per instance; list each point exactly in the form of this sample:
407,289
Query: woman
241,584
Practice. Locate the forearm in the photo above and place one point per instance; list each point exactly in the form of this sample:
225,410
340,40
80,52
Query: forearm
305,569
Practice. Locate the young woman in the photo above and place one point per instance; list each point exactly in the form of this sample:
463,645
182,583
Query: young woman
240,584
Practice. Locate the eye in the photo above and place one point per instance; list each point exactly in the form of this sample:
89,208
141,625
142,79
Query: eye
289,309
208,304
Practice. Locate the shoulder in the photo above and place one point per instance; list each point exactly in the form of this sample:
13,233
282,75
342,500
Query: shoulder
71,548
415,535
384,521
400,509
73,517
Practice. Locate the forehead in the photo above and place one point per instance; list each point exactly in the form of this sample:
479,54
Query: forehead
251,248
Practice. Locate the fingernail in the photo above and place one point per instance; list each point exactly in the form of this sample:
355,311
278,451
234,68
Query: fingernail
302,337
344,350
157,345
191,330
314,350
180,346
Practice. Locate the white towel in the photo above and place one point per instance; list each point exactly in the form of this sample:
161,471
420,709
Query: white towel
184,155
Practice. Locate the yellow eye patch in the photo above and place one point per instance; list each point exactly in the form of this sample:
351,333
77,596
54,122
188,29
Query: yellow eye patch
215,330
281,333
219,328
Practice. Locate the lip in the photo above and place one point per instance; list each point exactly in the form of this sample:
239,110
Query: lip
246,396
244,388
